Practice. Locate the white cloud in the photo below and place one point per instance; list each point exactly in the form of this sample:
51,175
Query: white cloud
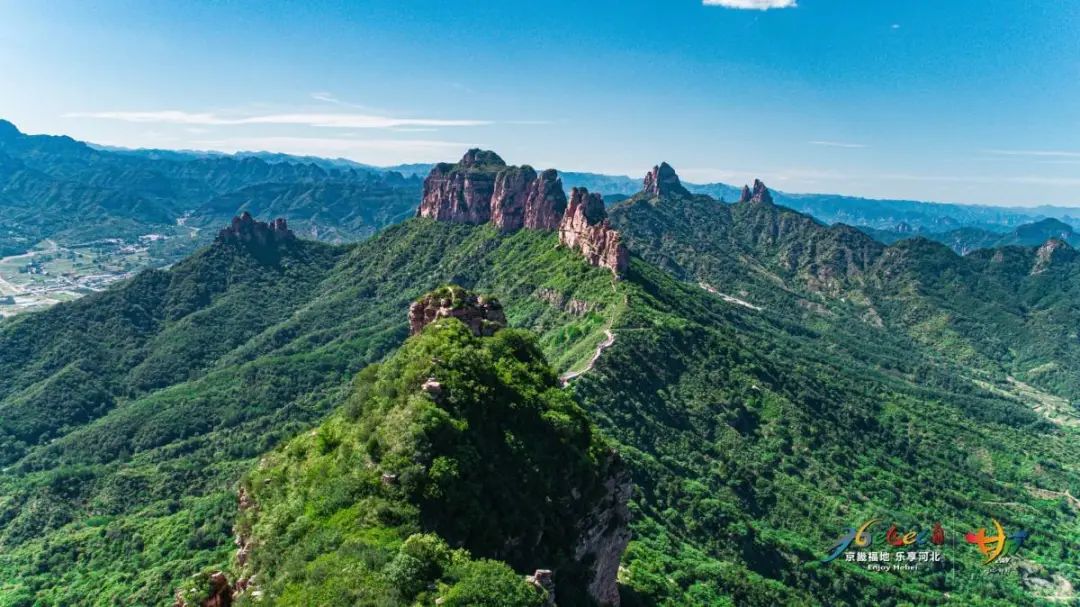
760,5
838,144
1034,153
333,146
328,120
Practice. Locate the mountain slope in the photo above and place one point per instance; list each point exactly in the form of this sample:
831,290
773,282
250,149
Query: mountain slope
56,187
768,381
463,437
143,485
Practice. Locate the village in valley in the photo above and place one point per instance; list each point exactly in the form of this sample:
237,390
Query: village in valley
51,273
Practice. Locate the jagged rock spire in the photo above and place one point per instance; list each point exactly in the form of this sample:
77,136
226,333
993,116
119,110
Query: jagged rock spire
586,229
247,229
663,181
760,193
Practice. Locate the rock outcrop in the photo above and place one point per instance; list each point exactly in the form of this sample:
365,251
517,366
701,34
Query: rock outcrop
219,592
484,316
586,229
663,181
604,534
481,188
760,193
246,229
510,197
462,192
546,202
1051,251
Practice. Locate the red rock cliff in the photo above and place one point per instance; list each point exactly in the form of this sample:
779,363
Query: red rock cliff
585,228
481,188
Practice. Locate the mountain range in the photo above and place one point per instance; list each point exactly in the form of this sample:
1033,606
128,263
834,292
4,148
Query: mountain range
72,192
672,400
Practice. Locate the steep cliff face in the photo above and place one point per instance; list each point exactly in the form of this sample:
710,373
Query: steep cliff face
546,202
462,192
605,534
510,197
585,228
481,188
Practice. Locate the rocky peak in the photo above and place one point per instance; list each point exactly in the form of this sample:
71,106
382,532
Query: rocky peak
760,193
483,315
246,229
663,181
462,192
476,158
585,228
546,201
1052,250
481,188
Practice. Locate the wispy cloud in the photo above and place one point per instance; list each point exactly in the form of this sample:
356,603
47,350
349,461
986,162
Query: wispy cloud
838,144
326,120
422,149
1035,153
327,97
759,5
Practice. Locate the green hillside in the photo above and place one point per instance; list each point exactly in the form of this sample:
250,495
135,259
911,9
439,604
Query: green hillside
770,382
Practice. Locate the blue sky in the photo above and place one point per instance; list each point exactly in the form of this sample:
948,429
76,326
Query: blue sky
957,100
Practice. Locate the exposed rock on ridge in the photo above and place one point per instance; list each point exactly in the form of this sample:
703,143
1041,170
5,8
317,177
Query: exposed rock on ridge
484,316
546,202
481,188
462,192
1052,250
586,229
663,181
760,193
246,229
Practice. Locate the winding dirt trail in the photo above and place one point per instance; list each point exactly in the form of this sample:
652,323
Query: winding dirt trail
608,341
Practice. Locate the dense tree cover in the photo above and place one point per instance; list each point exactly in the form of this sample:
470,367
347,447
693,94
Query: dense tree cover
754,434
497,460
1004,311
66,190
132,490
967,239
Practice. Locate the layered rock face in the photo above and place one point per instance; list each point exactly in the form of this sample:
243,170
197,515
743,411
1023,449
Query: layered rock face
484,316
246,229
481,188
663,181
510,197
546,202
760,193
462,192
585,228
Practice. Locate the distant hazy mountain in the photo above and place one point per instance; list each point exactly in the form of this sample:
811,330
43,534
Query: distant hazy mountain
59,188
968,239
